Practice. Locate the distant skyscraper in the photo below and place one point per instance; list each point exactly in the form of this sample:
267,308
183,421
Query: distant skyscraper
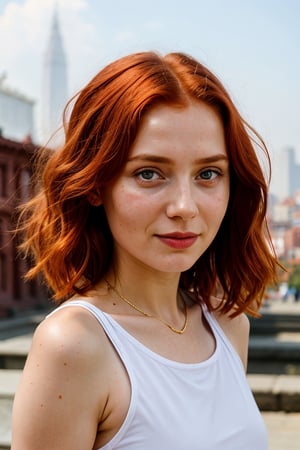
54,83
286,172
294,172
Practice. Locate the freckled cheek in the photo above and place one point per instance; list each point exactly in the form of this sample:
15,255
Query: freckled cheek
218,207
130,211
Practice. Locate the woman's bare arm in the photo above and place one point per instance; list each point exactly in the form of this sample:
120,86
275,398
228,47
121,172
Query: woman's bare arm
63,388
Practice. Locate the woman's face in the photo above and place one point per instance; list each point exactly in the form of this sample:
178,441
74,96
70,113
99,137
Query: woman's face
167,205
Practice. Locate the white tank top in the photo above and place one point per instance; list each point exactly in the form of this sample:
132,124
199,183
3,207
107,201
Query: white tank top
180,406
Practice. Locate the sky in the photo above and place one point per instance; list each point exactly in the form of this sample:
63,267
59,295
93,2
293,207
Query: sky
252,45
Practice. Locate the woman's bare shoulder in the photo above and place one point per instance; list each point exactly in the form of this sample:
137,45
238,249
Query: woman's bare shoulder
70,329
235,328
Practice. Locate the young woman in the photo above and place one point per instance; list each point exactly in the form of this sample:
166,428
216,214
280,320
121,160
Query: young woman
150,229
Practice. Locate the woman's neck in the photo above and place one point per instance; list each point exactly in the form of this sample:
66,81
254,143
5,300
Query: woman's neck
155,292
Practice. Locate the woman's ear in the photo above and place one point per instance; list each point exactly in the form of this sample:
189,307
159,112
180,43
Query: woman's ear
94,197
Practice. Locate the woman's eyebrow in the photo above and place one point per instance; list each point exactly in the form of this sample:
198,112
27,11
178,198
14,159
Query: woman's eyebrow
212,159
163,159
150,157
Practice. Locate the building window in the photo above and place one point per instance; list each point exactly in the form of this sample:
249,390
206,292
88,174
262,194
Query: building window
1,232
32,284
24,185
3,180
3,272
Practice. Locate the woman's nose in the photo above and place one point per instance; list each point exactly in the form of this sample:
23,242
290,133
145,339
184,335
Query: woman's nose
182,202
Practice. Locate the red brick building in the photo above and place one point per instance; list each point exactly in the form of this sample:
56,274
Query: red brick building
15,175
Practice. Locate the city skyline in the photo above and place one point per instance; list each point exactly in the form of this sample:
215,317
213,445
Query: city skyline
252,47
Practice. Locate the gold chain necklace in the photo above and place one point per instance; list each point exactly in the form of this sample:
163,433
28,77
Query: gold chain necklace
175,330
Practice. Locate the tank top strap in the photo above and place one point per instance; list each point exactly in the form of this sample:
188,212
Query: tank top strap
220,335
107,324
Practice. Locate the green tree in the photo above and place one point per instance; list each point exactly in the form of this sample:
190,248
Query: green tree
294,278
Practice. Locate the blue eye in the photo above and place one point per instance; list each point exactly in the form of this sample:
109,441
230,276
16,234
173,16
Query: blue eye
209,174
147,174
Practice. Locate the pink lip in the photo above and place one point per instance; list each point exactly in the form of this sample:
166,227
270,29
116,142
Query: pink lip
178,240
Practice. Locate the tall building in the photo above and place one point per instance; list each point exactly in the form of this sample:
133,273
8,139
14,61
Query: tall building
54,84
286,173
16,114
294,172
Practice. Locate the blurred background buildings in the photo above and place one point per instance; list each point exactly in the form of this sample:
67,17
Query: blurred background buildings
17,134
16,113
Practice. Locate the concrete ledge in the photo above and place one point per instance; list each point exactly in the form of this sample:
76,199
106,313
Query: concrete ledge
287,389
14,351
276,392
9,381
262,388
19,345
284,347
19,326
275,322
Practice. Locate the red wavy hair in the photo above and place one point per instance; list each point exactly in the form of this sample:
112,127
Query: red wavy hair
69,238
